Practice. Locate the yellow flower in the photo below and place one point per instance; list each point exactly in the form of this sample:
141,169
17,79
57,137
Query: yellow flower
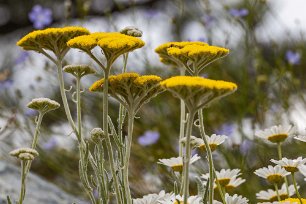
198,92
194,56
79,70
294,200
131,89
112,44
53,39
162,51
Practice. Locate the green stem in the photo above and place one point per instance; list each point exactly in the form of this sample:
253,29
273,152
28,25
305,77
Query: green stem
105,129
295,186
186,159
209,155
36,134
23,179
127,156
280,156
182,120
64,98
79,113
277,193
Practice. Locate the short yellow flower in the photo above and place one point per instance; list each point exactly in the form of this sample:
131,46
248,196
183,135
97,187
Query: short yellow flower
293,200
162,51
198,92
194,56
53,39
131,89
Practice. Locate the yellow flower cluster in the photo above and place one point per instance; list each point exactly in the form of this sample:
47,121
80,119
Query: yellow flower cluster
198,92
112,44
162,50
53,39
294,200
131,89
194,56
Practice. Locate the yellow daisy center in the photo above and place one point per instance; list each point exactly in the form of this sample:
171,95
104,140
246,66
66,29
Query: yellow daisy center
224,181
177,168
277,138
291,169
275,178
213,147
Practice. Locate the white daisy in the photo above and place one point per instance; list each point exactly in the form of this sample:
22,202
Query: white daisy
302,169
176,163
224,176
151,198
271,195
301,138
235,199
276,134
272,174
177,199
291,165
234,183
214,141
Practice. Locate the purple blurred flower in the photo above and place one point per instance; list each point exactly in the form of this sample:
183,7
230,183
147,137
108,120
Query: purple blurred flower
148,138
238,13
22,57
245,146
293,58
50,144
30,112
40,17
5,84
226,129
208,20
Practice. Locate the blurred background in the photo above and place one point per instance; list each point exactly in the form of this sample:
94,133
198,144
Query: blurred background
266,39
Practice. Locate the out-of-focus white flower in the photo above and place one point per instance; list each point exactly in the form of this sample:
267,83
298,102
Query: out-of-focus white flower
152,198
235,199
272,174
176,163
177,199
271,195
224,176
290,165
276,134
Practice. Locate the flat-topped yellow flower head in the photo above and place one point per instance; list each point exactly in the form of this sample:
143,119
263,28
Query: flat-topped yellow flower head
293,200
198,92
112,44
194,56
165,58
131,89
52,39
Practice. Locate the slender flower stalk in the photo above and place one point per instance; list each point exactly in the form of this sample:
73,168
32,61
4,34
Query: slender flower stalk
279,151
210,159
277,193
23,179
296,188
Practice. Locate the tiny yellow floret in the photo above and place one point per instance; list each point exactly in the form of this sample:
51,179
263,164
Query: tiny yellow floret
294,200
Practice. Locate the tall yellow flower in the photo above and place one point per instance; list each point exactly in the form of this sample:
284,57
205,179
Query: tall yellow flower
51,39
198,92
131,89
112,44
193,56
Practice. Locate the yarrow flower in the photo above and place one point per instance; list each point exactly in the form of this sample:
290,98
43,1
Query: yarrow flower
112,44
293,201
271,195
131,89
43,105
131,31
198,92
193,56
52,39
97,134
176,163
40,16
148,138
24,153
292,57
290,165
79,70
272,174
276,134
152,198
